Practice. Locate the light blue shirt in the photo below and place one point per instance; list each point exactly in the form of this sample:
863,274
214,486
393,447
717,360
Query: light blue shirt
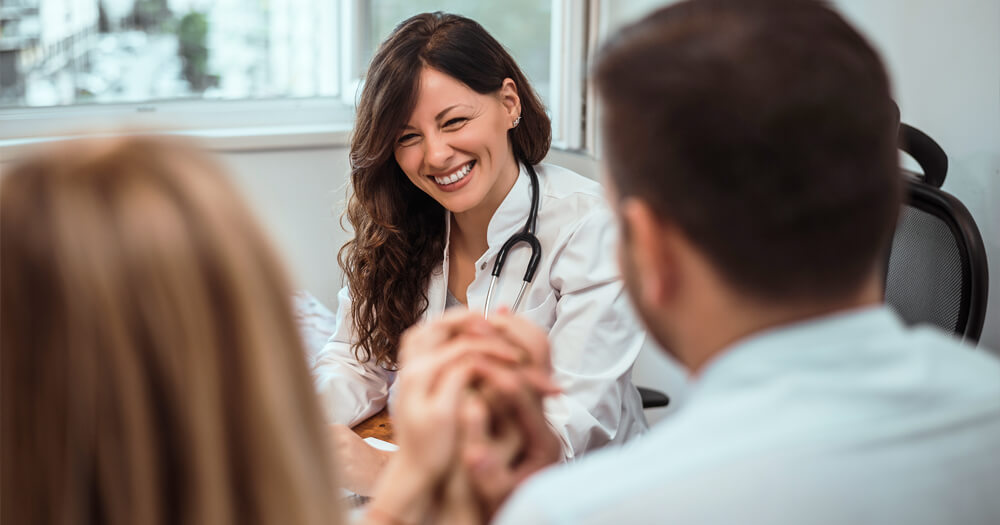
852,418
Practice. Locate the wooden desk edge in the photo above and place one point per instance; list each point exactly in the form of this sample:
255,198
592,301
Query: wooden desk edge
378,426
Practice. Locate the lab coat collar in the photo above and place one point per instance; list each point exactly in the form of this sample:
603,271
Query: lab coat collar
507,220
512,212
509,217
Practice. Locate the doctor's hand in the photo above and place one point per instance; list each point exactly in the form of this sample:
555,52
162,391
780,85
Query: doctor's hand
524,344
533,343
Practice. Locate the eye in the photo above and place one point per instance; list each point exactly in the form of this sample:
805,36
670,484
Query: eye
455,122
406,139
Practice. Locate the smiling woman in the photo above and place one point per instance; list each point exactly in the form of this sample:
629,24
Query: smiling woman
440,147
448,128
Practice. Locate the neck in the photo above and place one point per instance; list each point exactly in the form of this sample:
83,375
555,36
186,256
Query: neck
730,321
469,228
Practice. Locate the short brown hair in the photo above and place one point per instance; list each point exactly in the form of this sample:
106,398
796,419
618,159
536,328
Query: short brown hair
765,130
151,366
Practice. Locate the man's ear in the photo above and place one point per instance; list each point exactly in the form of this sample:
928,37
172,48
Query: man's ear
650,251
510,99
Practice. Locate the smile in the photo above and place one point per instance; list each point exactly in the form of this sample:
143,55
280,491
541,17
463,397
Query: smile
459,174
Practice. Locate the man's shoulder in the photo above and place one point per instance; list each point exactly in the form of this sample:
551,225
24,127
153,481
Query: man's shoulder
967,367
591,489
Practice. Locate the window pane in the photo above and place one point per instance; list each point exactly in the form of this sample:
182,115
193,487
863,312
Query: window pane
522,26
59,52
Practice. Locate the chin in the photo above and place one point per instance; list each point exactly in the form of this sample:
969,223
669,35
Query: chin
460,203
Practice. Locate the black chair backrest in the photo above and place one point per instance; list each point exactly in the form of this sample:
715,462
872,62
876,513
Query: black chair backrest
936,272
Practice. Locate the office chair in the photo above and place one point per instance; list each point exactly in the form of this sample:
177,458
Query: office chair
652,398
936,271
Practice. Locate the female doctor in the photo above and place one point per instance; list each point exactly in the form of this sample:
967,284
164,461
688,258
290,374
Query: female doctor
446,146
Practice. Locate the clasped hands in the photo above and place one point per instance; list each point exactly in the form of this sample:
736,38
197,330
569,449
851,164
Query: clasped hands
467,416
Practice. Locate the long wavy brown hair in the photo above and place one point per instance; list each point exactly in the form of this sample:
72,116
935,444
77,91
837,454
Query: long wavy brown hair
398,229
151,370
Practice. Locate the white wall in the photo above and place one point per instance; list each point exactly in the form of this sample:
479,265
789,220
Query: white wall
944,58
299,196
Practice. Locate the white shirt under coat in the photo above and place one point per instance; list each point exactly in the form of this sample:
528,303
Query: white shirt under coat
576,294
849,419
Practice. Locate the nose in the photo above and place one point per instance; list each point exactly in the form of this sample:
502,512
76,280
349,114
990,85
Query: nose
437,151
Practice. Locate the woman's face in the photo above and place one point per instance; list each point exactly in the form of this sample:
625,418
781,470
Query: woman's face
455,146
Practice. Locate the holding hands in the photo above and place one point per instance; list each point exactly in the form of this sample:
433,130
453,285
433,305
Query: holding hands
468,418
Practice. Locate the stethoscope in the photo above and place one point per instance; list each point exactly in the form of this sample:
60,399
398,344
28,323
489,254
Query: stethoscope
526,235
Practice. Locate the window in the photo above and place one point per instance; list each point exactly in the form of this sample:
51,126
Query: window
65,52
204,64
523,26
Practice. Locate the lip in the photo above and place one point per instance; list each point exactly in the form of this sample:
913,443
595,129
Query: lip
457,185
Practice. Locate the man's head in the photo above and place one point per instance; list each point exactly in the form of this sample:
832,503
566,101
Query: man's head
758,136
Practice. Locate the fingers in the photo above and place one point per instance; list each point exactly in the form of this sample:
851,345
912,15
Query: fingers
454,381
426,337
500,429
505,439
526,335
422,374
520,340
522,405
427,429
510,381
488,470
542,448
475,417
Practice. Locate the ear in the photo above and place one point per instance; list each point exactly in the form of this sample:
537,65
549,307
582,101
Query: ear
651,251
510,100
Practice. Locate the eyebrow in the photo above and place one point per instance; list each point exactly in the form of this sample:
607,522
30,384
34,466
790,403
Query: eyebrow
441,114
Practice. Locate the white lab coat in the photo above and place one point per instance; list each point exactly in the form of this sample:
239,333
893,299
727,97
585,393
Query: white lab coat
576,294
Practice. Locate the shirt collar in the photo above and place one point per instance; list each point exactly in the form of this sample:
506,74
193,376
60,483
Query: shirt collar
808,344
510,215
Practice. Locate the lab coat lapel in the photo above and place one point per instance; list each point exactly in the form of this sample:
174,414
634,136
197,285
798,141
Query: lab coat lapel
437,289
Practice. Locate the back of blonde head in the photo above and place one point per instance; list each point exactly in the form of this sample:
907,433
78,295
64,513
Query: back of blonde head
151,368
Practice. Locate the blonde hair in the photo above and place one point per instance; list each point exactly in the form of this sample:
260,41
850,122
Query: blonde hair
151,368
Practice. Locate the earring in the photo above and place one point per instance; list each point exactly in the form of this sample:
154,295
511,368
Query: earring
517,121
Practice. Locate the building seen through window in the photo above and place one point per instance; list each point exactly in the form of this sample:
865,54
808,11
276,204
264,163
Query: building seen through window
72,52
522,26
63,52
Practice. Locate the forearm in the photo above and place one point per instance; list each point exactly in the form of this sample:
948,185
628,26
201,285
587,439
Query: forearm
459,504
404,494
361,465
349,392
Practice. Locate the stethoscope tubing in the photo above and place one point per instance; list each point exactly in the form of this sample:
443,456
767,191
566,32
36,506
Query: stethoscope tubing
525,235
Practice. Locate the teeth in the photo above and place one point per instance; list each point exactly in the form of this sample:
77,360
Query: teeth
454,177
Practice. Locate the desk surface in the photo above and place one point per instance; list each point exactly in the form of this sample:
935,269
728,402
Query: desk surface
378,426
